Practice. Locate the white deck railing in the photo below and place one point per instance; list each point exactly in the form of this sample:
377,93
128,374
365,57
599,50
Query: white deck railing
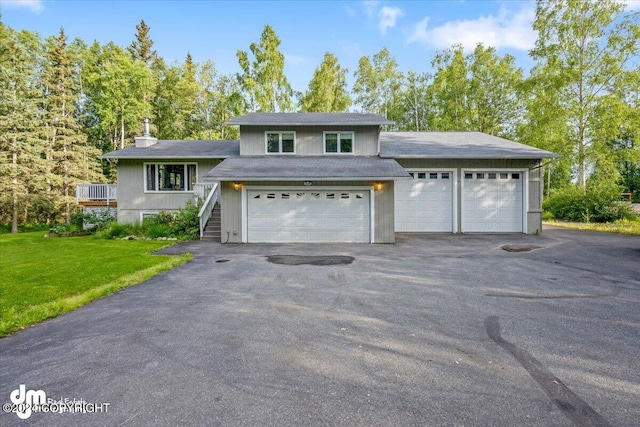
207,206
201,190
96,192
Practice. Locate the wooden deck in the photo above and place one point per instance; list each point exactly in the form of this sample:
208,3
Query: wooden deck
111,203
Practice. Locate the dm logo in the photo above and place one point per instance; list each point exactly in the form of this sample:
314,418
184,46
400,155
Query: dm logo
26,400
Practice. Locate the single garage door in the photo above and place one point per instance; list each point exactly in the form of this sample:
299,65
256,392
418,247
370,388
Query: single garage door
425,202
308,216
492,202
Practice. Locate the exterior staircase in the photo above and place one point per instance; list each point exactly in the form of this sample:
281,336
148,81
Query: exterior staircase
213,230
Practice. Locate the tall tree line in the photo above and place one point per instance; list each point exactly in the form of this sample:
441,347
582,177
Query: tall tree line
62,103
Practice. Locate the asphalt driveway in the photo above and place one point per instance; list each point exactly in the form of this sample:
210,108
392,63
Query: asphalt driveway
435,330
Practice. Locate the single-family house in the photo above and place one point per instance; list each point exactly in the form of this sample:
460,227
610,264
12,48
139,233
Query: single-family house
336,177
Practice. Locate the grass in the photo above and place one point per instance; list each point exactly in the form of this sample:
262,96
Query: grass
631,227
45,277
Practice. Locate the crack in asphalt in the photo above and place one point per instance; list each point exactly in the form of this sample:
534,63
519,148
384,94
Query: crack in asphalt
571,405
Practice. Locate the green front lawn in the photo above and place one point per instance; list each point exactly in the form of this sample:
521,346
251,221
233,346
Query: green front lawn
45,277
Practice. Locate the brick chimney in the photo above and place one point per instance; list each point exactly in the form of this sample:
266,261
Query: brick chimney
146,140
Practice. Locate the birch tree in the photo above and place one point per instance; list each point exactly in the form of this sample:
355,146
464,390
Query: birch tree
582,50
377,83
262,77
327,90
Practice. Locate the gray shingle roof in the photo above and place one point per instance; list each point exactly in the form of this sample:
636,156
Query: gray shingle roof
174,149
306,168
324,119
455,145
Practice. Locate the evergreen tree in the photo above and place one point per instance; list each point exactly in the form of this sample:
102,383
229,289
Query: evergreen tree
142,47
21,165
71,158
327,90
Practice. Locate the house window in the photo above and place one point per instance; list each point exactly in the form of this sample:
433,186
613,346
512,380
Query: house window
281,142
170,176
338,142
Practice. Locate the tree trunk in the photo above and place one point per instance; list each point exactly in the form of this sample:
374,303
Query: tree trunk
122,132
14,214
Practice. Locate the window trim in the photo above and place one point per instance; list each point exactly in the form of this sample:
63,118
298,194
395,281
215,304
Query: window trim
280,132
338,132
188,178
143,213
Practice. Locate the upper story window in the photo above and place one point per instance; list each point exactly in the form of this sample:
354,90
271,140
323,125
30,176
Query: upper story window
338,142
280,142
170,176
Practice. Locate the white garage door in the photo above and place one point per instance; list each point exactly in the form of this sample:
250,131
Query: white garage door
425,202
308,216
492,202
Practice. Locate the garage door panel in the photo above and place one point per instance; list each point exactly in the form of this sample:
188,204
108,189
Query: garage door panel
492,202
424,203
308,216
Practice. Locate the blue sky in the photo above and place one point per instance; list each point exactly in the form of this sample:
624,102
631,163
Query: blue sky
412,30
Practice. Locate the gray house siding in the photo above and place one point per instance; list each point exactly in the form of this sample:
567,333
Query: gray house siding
535,182
309,139
132,198
231,206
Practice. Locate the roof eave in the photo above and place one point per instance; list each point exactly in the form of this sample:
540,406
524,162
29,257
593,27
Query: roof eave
488,157
167,157
306,178
275,125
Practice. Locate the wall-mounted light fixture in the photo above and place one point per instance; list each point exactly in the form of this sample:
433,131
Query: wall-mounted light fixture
307,183
237,186
377,186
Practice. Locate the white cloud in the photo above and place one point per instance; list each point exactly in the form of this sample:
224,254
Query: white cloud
32,5
509,29
388,17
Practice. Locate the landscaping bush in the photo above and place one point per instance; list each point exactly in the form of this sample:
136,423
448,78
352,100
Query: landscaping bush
597,204
182,224
154,231
113,230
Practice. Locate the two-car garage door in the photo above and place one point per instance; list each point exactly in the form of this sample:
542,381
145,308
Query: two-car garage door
308,216
491,201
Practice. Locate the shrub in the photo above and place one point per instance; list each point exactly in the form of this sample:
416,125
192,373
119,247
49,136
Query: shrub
113,230
598,204
157,230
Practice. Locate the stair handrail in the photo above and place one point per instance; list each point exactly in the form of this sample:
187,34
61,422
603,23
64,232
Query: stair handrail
207,207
